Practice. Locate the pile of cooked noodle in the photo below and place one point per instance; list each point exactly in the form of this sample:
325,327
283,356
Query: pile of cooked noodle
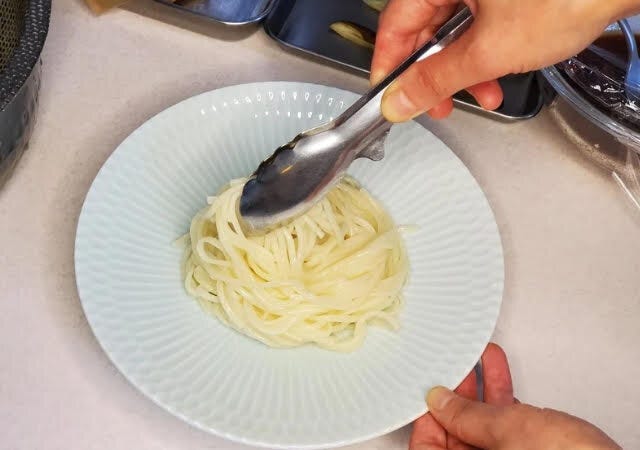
321,278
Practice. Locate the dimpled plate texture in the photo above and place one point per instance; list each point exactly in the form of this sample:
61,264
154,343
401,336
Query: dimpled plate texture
216,379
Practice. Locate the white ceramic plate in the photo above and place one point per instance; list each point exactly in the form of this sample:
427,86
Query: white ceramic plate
216,379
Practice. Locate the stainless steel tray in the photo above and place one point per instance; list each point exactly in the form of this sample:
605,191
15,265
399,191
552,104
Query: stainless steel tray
303,26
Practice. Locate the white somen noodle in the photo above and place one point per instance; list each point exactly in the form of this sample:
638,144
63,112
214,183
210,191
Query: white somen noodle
321,278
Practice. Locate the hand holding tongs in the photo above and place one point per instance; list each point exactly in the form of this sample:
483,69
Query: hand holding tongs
299,173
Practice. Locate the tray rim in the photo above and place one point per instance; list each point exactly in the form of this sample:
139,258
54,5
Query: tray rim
254,20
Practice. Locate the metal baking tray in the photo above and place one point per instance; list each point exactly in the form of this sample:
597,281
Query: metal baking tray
303,26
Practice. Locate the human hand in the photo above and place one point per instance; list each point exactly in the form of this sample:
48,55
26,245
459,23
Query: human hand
507,36
458,422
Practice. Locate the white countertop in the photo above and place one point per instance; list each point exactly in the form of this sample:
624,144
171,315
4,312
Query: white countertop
570,320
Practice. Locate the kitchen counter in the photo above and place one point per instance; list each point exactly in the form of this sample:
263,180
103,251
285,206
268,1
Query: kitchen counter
570,320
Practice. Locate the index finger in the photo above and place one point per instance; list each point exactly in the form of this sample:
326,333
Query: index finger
401,24
427,432
498,385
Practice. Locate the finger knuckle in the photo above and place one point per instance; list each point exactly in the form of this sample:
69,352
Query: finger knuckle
457,418
385,34
481,59
429,85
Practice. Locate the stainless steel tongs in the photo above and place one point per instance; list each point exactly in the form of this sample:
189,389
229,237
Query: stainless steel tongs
302,171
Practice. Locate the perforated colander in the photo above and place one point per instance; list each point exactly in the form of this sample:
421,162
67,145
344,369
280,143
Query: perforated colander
23,29
11,26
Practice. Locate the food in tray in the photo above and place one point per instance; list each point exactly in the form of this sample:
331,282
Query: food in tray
378,5
353,32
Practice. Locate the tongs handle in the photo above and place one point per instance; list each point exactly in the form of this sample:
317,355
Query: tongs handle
364,118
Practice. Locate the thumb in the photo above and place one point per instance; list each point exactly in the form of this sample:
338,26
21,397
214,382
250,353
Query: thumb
473,422
428,82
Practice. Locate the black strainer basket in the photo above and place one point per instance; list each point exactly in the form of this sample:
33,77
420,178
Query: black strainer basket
23,29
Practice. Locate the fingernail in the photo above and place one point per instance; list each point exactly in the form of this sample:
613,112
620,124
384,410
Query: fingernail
439,397
425,447
397,106
376,77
